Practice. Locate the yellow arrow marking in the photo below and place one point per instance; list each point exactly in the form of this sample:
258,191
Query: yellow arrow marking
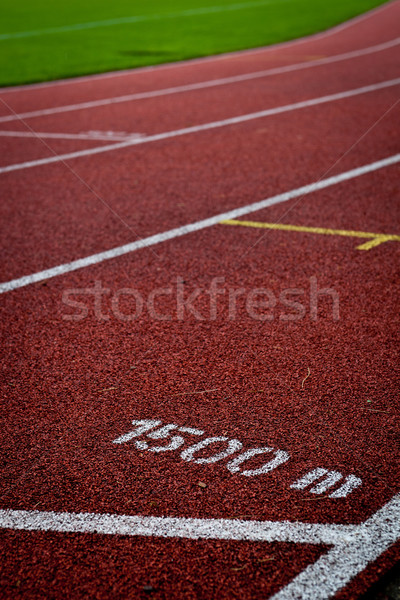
375,238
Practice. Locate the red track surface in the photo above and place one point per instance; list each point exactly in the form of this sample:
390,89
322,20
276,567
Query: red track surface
323,390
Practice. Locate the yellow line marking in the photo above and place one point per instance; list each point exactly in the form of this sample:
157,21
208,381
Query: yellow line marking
375,238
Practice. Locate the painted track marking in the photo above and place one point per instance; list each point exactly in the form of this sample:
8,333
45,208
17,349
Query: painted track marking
154,429
202,84
354,546
344,561
197,226
376,238
204,127
221,529
100,136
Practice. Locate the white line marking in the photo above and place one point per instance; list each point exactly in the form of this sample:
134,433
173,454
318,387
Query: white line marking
135,19
220,529
354,546
334,570
70,136
197,226
202,84
204,127
204,59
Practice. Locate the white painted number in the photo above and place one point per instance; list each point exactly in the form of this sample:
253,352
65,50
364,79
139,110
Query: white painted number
233,446
141,427
162,433
316,481
280,458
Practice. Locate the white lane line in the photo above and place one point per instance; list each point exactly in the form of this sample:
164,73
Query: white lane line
202,84
204,59
334,570
197,226
69,136
135,19
204,127
354,546
220,529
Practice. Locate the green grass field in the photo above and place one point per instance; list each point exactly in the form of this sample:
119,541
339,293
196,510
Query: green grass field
44,40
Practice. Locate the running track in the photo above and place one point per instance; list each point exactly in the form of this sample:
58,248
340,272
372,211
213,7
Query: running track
141,213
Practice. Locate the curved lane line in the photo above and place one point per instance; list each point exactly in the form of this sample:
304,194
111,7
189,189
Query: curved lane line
202,84
203,127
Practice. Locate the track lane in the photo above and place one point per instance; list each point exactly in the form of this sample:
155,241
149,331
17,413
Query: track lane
165,115
229,567
36,147
67,221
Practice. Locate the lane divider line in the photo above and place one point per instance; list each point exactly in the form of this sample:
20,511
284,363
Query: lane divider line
204,127
202,84
376,238
354,546
196,226
68,136
221,529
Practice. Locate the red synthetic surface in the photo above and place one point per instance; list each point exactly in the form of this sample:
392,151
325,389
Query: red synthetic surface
71,387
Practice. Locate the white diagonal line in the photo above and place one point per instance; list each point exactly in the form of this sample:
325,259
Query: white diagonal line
334,570
202,84
197,226
203,127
